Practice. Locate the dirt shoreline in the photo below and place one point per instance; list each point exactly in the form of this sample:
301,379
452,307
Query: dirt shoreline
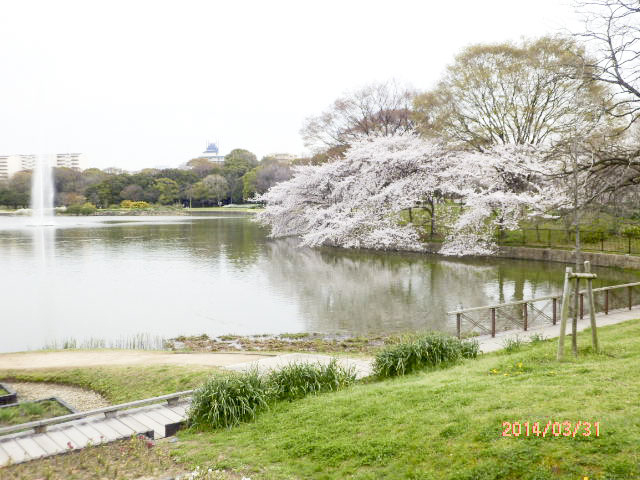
95,358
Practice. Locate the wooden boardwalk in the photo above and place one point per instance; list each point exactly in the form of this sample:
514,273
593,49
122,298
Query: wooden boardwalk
155,421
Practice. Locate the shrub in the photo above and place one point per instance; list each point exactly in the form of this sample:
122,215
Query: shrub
421,352
225,401
297,380
81,209
132,204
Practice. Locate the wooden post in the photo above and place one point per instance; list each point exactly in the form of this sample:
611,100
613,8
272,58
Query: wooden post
493,322
458,322
574,320
592,308
555,308
630,302
564,312
581,306
606,302
525,315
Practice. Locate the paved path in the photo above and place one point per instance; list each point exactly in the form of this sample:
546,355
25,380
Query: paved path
95,358
154,421
488,344
362,367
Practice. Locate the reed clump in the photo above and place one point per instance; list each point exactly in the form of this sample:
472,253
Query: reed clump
423,351
226,401
298,380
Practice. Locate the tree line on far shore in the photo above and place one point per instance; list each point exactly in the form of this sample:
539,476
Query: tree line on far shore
200,183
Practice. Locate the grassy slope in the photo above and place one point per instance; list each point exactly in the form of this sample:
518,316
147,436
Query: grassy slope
119,384
447,424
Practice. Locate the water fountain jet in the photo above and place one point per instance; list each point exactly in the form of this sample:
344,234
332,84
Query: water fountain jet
42,192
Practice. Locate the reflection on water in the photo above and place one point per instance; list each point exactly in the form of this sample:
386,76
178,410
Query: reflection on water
91,278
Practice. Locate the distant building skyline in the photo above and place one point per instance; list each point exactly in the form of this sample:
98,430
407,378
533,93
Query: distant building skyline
212,153
12,164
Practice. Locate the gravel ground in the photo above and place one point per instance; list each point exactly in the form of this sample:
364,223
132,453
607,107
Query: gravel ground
78,398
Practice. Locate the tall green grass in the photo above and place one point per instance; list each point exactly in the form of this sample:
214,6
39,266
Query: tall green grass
416,353
225,401
298,380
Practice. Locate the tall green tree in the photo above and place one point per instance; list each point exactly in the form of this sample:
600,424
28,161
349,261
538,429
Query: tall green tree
167,190
237,163
511,93
213,189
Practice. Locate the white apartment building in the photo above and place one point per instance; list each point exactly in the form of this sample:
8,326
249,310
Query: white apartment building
11,164
71,160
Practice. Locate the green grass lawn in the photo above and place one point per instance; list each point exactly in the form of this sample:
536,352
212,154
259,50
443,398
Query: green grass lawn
29,411
447,424
122,383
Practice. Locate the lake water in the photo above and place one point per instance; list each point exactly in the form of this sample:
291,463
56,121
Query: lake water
114,277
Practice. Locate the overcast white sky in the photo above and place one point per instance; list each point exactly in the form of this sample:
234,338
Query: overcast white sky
141,83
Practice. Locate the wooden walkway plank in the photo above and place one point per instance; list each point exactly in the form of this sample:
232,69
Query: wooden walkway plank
179,409
122,429
172,416
15,451
103,432
157,428
60,439
78,439
94,435
132,423
31,447
46,443
4,457
158,417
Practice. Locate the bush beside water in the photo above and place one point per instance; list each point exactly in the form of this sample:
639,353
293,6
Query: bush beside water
420,352
225,401
81,209
298,380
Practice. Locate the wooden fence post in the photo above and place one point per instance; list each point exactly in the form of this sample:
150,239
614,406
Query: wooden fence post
606,302
493,322
555,309
564,312
525,316
458,322
592,308
630,300
581,306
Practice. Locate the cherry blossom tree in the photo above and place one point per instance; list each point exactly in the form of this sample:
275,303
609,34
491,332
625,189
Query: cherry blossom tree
357,201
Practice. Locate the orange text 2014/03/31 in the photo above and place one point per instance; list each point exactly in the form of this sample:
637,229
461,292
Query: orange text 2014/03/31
551,429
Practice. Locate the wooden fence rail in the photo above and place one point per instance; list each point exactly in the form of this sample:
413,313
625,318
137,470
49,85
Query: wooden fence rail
523,314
